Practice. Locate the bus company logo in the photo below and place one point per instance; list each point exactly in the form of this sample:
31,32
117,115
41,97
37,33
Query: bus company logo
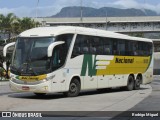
124,60
94,63
25,78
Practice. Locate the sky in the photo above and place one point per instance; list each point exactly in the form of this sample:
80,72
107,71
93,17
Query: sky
30,8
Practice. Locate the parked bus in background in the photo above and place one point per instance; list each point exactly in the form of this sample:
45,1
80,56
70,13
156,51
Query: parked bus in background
70,59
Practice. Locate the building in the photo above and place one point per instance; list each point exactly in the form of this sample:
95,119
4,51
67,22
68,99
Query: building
117,24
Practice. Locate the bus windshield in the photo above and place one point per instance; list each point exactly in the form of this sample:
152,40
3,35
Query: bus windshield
30,56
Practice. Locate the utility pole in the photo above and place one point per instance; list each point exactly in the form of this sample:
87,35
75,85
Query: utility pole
106,19
37,9
81,11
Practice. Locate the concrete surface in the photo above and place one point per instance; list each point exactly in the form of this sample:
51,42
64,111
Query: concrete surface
88,101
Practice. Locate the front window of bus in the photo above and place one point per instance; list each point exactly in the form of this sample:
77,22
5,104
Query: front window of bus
30,56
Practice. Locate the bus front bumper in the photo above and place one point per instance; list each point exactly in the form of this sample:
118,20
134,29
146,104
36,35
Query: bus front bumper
38,88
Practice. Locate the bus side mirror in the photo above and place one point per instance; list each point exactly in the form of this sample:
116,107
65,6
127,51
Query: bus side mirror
52,46
6,47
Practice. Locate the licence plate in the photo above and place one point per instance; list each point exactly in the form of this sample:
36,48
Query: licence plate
25,88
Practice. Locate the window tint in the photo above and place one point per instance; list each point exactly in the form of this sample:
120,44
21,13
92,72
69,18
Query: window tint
67,38
85,45
144,48
121,47
110,46
131,48
60,52
94,42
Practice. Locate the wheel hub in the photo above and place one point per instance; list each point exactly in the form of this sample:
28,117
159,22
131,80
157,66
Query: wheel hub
73,88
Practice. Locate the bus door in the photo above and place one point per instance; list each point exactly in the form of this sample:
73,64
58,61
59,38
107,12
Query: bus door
58,60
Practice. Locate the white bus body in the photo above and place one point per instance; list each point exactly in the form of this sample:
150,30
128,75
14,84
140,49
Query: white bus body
69,59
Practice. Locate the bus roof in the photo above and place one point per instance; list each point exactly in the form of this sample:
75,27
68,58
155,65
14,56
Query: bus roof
54,31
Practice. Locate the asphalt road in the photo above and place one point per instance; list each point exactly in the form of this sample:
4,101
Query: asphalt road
145,99
150,104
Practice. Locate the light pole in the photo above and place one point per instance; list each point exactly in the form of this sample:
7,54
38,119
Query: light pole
107,22
37,9
81,12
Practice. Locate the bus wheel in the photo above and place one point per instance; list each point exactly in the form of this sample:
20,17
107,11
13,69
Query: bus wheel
137,83
74,89
40,94
130,83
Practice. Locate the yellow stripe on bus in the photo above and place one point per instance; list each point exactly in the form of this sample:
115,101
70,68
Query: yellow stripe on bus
125,65
32,78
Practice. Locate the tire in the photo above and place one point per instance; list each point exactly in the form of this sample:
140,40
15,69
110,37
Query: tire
40,94
130,83
74,89
137,83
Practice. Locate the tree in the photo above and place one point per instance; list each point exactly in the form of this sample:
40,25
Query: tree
6,24
12,25
24,24
137,34
2,69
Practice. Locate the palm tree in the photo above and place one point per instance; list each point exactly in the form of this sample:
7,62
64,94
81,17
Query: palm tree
24,24
6,24
12,25
27,23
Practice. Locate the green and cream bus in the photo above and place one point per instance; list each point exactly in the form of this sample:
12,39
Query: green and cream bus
70,59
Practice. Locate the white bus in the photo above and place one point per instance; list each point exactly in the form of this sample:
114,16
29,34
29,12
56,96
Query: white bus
70,59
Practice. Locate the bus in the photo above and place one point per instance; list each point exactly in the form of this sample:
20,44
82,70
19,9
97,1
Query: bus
70,59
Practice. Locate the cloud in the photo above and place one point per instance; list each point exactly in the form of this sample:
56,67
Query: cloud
30,12
56,6
137,5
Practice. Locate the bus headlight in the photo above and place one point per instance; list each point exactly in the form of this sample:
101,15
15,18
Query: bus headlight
49,78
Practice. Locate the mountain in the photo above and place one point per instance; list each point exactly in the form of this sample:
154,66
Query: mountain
102,12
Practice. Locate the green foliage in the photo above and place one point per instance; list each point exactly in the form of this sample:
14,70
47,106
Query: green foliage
12,25
2,42
137,34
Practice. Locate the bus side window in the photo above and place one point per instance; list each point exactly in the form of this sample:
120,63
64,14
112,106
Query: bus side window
121,47
77,49
108,46
100,46
94,41
115,49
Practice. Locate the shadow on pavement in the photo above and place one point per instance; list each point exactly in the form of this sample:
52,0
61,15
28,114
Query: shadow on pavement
29,95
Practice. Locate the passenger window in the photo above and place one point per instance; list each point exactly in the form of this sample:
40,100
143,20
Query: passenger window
108,46
99,41
81,46
85,45
131,48
94,41
145,49
121,47
115,47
